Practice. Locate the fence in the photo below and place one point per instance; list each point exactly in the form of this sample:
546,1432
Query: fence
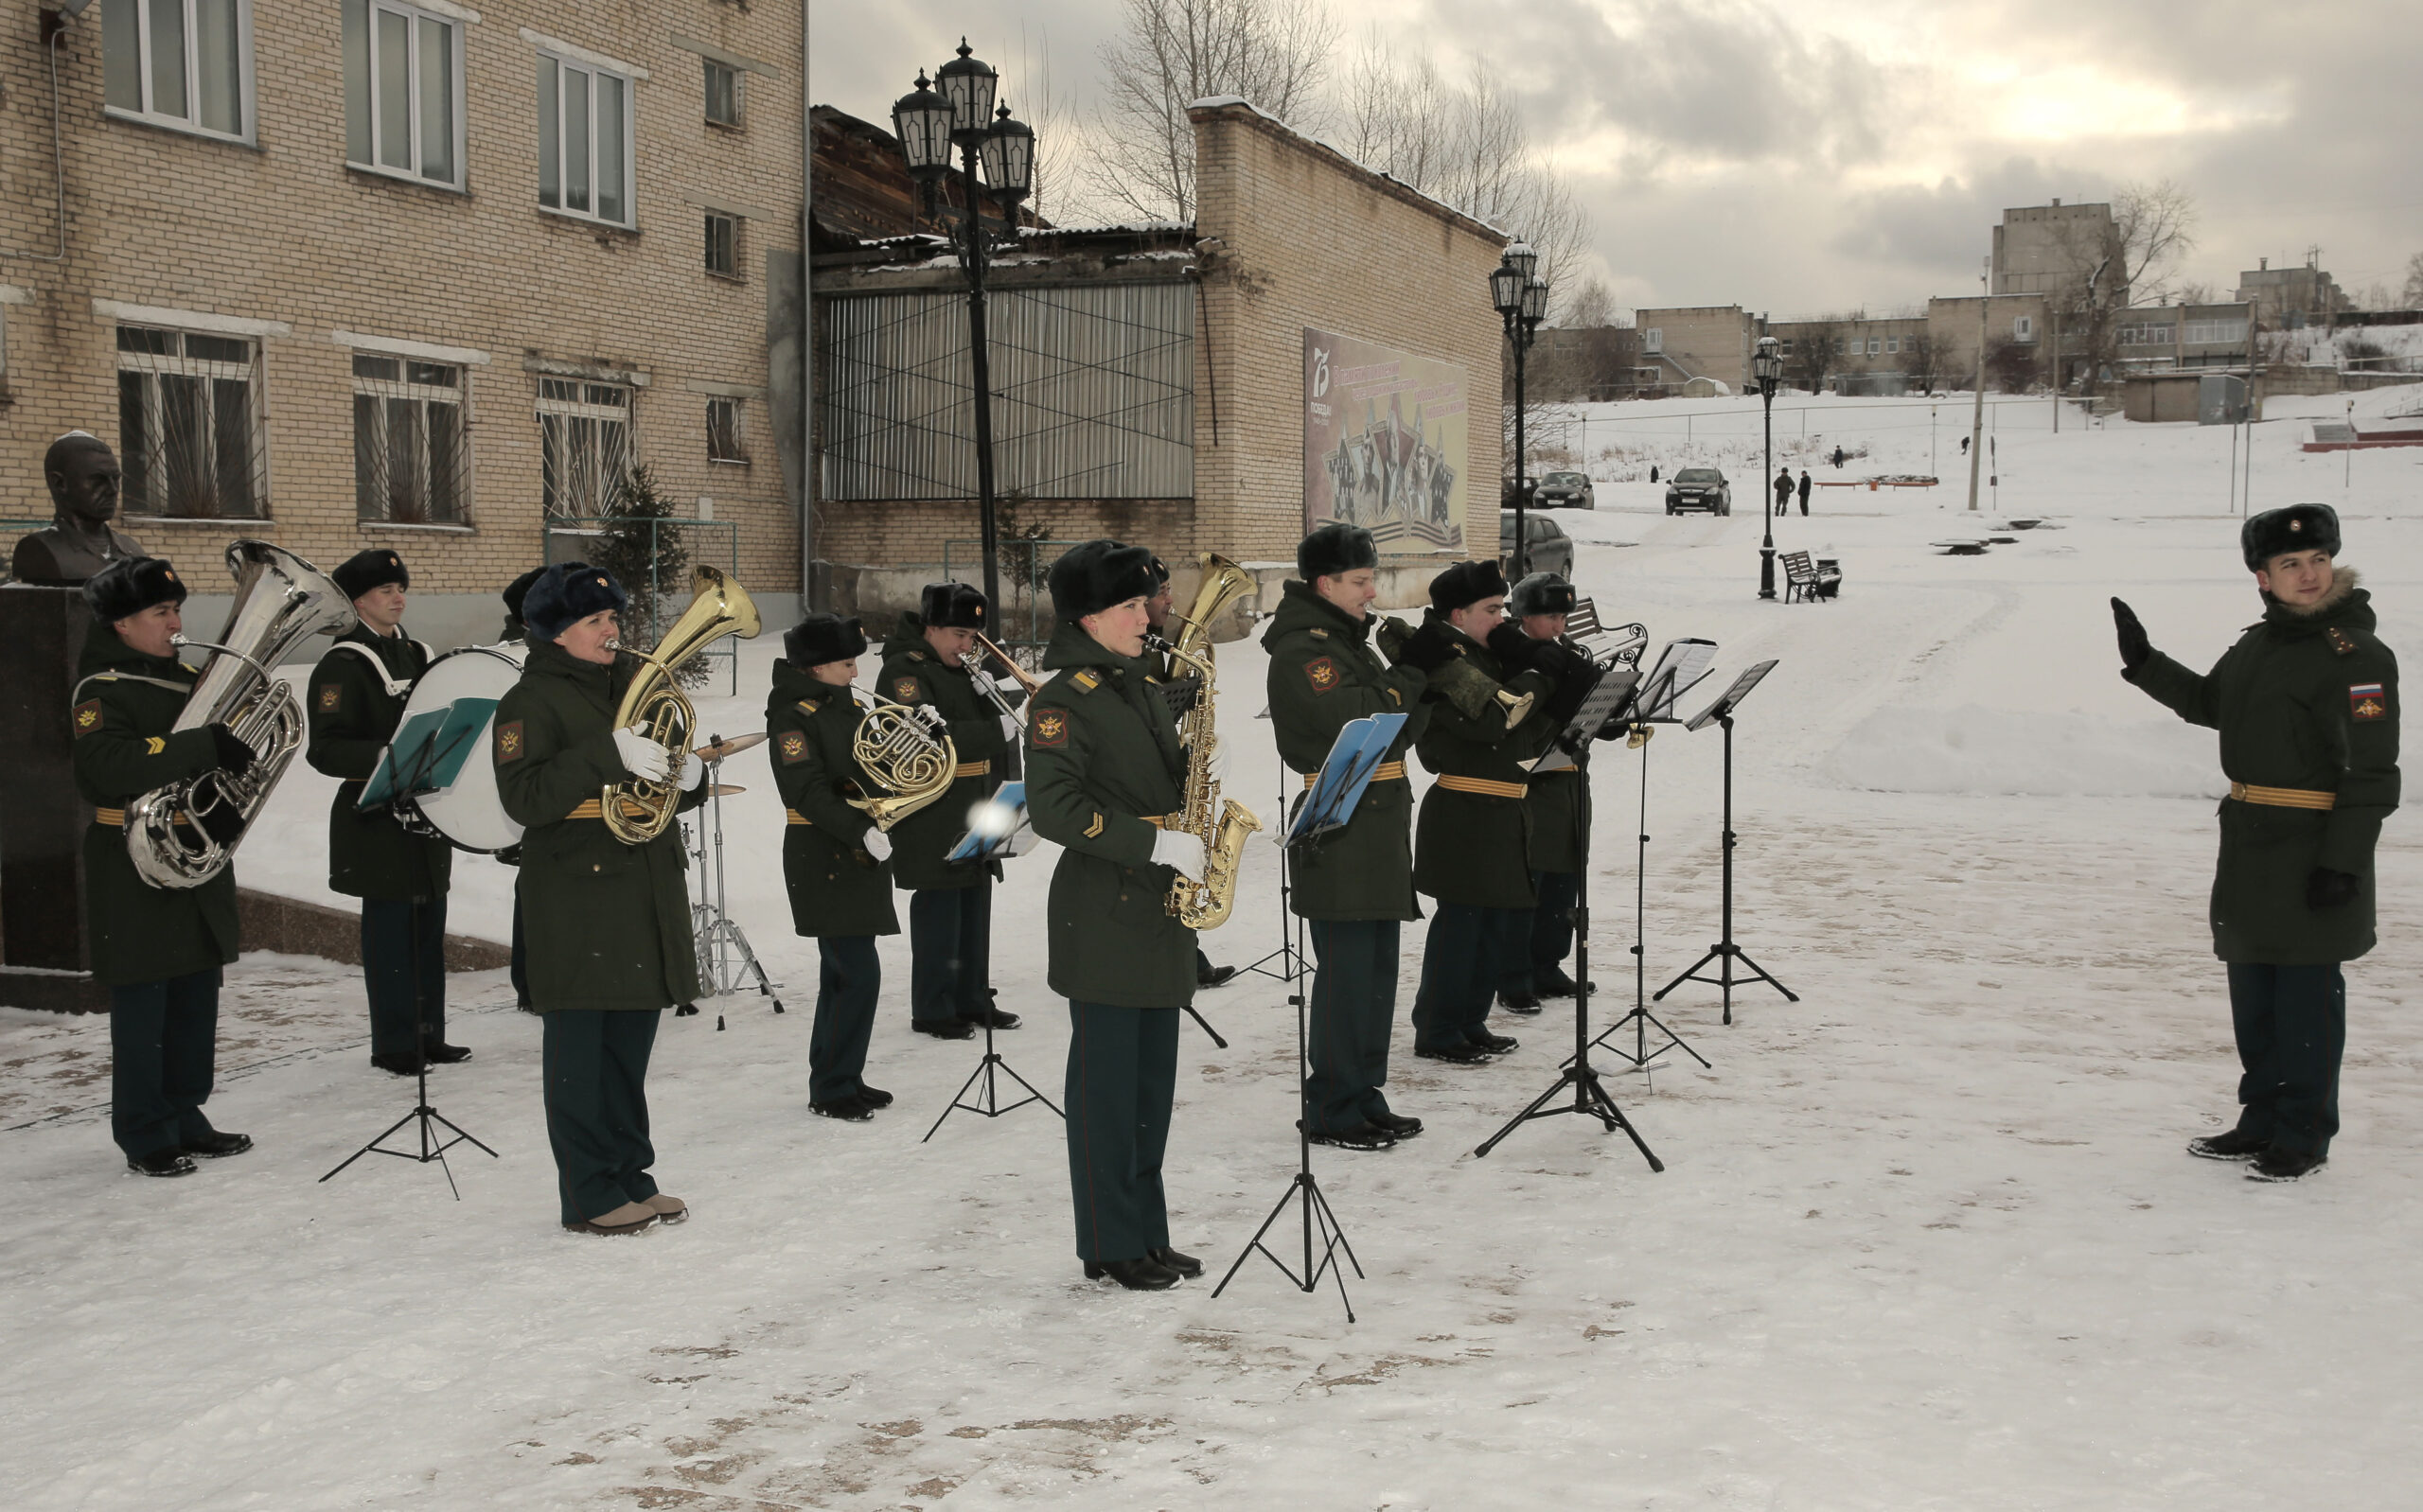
708,542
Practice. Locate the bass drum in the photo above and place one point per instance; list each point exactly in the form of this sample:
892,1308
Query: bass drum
469,812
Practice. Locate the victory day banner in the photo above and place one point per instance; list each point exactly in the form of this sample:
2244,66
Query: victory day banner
1385,442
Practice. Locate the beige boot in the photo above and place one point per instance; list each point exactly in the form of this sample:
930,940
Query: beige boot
629,1219
668,1210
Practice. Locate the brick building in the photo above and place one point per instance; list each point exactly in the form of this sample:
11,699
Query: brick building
353,272
1685,343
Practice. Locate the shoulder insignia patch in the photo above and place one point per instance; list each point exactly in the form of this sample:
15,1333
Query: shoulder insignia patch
508,742
331,696
1394,699
809,705
913,656
86,716
794,747
2368,701
1095,828
1321,673
1318,633
2341,640
906,689
1051,727
154,744
1087,679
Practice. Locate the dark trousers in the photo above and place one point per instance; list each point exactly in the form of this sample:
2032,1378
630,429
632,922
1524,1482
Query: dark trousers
403,955
848,982
1355,1006
163,1051
1551,934
595,1064
1460,963
950,946
2292,1024
521,951
1123,1072
1804,503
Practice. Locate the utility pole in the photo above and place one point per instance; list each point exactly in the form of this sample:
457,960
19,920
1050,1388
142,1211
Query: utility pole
1977,414
2053,313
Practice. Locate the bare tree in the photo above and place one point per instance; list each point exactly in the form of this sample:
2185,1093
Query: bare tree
2411,296
2011,366
2153,225
1589,305
1168,54
2196,291
2131,259
1921,363
1059,150
1814,348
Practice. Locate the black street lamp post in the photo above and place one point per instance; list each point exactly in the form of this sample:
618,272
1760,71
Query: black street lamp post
929,122
1767,366
1521,299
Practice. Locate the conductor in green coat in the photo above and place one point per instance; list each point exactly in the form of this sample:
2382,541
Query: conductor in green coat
834,862
356,699
158,950
1354,887
608,923
1105,771
2306,704
950,903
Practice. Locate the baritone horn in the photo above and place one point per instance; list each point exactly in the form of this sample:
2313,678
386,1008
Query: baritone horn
636,810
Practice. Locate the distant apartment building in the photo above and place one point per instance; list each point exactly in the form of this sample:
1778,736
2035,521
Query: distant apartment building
2288,298
348,272
2054,249
1711,342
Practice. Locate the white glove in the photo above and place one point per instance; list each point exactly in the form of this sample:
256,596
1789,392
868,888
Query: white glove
1176,848
931,717
642,757
1011,728
1219,761
876,844
985,683
694,771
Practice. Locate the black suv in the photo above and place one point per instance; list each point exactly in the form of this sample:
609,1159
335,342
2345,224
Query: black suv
1699,488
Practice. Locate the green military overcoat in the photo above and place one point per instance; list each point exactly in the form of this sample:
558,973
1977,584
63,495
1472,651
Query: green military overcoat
1325,673
1560,840
354,701
125,706
837,891
1476,848
914,674
2305,701
1102,753
606,924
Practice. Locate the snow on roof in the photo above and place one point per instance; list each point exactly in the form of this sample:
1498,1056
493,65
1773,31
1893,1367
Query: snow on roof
1217,101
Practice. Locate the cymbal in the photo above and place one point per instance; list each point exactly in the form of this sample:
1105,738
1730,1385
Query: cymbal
716,750
718,789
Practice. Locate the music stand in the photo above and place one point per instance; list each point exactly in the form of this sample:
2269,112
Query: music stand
1011,834
1290,959
1613,693
726,962
1725,951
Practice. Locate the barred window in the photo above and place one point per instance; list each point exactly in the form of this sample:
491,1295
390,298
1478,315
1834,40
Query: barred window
723,238
411,450
723,431
584,445
189,424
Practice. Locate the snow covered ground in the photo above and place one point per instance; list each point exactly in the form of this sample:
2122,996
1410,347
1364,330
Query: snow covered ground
1926,1239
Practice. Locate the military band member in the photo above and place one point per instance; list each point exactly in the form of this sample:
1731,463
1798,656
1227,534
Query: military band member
608,922
356,700
833,856
1355,885
158,950
950,903
1559,829
2307,706
1182,685
1103,770
1471,847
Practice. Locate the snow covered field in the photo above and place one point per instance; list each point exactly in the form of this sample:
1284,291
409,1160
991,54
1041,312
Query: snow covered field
1926,1239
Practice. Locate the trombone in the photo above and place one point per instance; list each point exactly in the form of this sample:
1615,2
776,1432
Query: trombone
974,663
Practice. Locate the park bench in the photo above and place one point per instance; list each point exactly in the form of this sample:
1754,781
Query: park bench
1806,582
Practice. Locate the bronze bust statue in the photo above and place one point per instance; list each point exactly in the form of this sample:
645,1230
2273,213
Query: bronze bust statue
83,477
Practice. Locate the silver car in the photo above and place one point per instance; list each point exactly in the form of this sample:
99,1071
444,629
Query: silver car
1564,490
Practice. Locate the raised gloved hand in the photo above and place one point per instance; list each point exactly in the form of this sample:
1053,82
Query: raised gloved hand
1429,647
2326,889
1390,635
986,687
234,757
642,757
931,717
1176,848
2134,647
876,844
1515,651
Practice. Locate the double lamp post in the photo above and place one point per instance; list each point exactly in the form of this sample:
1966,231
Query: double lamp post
1767,367
1521,298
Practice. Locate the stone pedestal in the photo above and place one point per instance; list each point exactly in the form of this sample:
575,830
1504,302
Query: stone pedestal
43,961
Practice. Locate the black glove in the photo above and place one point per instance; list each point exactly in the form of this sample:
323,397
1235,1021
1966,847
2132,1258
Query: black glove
1428,647
2134,647
1516,651
223,822
234,757
1390,635
2326,889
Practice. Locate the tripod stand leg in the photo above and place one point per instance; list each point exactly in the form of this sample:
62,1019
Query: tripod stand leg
1563,1080
1255,1243
1613,1119
1762,974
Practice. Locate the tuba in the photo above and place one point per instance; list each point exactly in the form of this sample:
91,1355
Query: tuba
1205,902
636,810
281,601
902,753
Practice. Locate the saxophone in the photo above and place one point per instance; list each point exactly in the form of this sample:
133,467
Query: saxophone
1206,901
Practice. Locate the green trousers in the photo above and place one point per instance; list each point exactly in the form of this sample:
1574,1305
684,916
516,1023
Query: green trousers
1354,1009
596,1064
1123,1072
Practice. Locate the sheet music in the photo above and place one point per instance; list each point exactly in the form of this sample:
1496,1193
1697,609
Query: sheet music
1679,668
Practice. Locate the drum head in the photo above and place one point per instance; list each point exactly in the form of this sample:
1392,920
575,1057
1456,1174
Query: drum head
469,812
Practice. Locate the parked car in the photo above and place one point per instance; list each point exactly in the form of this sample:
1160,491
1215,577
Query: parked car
1699,488
1551,549
1564,490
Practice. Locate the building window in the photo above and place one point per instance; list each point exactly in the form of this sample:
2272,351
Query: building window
2146,335
723,431
189,424
186,63
2022,328
1892,345
584,446
723,238
2200,332
403,75
584,141
1783,348
724,93
1874,345
411,455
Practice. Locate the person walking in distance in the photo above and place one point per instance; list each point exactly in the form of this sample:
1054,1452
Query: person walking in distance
1805,486
1783,490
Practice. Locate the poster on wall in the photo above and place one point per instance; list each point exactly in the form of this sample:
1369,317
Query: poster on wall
1385,443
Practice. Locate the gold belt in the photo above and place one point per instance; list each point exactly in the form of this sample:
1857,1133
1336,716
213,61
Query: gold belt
971,770
593,809
1385,772
2284,797
1482,784
116,817
793,816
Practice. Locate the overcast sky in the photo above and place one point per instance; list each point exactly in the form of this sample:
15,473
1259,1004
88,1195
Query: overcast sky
1819,156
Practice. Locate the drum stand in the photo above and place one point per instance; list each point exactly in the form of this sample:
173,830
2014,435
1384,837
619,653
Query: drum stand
726,963
432,1146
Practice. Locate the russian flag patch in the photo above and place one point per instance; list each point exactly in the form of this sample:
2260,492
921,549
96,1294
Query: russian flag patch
2368,701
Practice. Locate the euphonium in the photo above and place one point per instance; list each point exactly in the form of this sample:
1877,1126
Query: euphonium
637,811
902,753
1205,902
281,600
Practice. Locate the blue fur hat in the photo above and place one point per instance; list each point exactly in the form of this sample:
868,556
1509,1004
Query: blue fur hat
567,593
